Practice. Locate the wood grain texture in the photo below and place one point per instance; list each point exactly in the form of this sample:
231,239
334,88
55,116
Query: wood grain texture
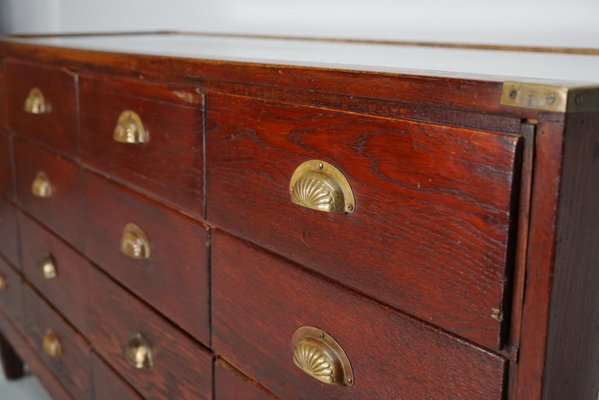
57,128
3,122
9,247
73,367
68,291
11,297
182,369
108,385
170,165
62,211
230,384
260,300
12,365
175,278
432,203
6,177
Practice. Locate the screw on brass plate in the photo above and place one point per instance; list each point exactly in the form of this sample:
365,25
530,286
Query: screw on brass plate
578,99
321,166
350,207
350,381
513,93
551,98
497,315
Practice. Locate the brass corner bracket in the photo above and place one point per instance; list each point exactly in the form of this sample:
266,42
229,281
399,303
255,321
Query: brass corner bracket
553,98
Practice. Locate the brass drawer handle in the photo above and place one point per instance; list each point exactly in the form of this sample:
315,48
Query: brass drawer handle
135,243
130,129
35,103
138,352
41,186
320,356
47,266
3,283
52,344
320,186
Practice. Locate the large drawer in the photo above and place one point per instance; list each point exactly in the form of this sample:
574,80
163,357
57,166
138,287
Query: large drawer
429,229
169,162
11,294
8,232
165,260
108,385
260,302
157,359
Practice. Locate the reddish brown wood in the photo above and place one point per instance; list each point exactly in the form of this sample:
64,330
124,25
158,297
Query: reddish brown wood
11,297
8,232
73,366
260,300
68,290
175,278
182,369
3,122
62,211
108,385
230,384
170,165
6,182
57,128
12,365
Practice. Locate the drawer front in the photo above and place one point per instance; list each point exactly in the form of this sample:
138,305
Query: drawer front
231,384
168,164
11,296
169,365
8,232
108,384
41,104
173,275
61,348
261,301
56,270
48,188
429,232
6,187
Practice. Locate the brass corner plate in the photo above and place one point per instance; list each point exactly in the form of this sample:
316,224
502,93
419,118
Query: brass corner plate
552,98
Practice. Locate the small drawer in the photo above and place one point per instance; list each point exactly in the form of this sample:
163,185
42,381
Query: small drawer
270,318
56,270
60,347
41,104
157,359
6,183
157,253
148,135
230,384
48,188
11,295
8,232
108,385
419,214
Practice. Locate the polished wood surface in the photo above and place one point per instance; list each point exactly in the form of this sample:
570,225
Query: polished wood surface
108,385
230,384
6,178
11,295
9,246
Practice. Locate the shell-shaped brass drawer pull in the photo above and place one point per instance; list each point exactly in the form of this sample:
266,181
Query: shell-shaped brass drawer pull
130,129
47,266
52,344
138,352
3,283
320,356
35,103
135,243
320,186
41,186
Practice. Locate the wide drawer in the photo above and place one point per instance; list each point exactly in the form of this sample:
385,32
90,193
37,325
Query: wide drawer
48,188
61,348
429,227
41,104
8,232
261,301
230,384
167,160
6,184
108,385
56,270
157,253
11,294
157,359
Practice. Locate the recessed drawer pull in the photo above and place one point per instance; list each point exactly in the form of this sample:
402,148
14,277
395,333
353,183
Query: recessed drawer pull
320,186
35,103
320,356
52,344
130,129
41,186
135,243
139,352
47,266
3,283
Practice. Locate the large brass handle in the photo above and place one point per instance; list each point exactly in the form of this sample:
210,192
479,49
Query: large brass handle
135,243
3,283
130,129
35,103
320,186
138,352
41,186
47,266
52,344
320,356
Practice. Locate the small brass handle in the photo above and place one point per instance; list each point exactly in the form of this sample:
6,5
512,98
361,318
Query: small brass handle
35,103
320,186
47,266
130,129
320,356
138,352
135,243
52,344
41,186
3,283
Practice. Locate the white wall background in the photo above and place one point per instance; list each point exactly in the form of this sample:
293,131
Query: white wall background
536,22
